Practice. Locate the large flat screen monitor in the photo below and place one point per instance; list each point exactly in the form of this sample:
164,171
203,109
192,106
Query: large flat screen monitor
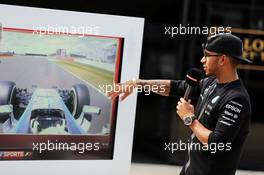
54,70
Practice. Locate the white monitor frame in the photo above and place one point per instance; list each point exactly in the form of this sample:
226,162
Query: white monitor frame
131,29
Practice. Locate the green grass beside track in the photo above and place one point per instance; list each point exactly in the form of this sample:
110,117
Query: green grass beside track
93,75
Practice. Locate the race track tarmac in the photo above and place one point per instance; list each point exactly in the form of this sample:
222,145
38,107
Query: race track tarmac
28,71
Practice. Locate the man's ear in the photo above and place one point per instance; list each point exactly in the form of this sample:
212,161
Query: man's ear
223,60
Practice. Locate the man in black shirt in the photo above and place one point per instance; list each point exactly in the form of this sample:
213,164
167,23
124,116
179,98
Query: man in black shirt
221,119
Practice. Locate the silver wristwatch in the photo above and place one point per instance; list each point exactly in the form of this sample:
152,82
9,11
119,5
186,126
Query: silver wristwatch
189,120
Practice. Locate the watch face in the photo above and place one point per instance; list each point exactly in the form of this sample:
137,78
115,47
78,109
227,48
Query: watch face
187,121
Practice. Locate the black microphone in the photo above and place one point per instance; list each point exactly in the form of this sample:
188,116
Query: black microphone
192,79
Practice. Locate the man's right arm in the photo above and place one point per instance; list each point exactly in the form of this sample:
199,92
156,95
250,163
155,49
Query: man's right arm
161,87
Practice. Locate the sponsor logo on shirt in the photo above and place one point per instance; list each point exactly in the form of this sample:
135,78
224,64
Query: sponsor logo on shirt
209,107
233,108
229,113
215,99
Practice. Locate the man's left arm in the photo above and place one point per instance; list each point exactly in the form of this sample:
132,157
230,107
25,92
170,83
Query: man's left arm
233,116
